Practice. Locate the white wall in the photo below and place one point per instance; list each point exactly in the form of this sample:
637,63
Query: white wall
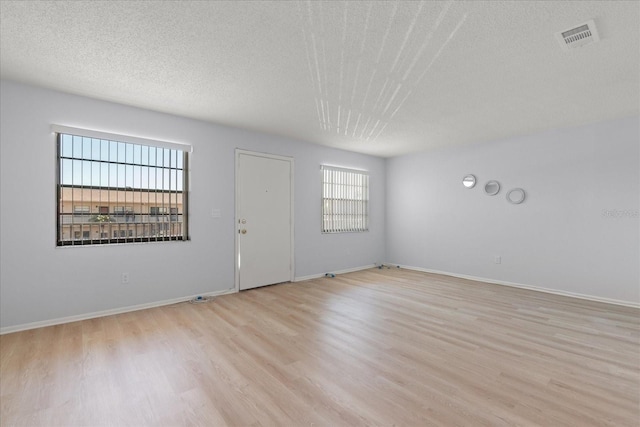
560,238
40,282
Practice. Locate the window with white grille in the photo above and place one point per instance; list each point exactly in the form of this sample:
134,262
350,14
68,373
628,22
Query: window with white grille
345,200
115,189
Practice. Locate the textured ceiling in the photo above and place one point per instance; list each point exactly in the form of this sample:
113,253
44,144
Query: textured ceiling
384,78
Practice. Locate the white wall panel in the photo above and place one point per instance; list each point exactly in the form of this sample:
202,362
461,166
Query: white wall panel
40,282
563,237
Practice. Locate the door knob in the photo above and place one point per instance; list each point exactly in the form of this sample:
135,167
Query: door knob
243,231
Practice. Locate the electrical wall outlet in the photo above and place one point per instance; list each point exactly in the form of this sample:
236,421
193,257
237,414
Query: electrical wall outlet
497,259
125,278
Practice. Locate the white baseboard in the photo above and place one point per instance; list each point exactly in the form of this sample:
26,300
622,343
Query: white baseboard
69,319
521,286
86,316
348,270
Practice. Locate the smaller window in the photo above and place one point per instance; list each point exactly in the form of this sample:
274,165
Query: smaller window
345,200
122,233
84,234
103,210
121,210
157,210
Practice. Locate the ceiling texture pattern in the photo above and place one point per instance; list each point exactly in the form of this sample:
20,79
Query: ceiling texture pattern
378,77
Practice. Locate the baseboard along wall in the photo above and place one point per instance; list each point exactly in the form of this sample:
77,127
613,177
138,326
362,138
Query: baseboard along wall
521,286
103,313
93,315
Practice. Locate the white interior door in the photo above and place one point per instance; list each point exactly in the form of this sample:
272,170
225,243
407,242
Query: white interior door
264,219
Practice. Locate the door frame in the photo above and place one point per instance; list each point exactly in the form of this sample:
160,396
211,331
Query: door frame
236,222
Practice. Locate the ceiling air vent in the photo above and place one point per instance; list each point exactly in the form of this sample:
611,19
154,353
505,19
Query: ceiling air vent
579,36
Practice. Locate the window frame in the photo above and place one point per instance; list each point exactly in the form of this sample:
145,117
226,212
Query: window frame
361,203
182,158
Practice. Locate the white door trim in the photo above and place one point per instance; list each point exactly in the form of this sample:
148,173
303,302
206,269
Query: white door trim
236,224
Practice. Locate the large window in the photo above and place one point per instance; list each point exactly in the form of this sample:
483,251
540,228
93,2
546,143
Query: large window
110,191
345,200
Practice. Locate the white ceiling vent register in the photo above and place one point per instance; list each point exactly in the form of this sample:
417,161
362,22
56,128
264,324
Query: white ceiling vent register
579,36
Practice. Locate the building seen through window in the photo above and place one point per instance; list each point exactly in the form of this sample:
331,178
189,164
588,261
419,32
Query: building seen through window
119,192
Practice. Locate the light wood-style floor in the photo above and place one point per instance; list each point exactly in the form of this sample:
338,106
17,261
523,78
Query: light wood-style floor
377,347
